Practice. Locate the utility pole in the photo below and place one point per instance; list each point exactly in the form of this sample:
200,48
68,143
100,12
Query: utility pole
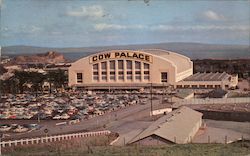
0,146
248,82
1,136
163,93
151,98
38,117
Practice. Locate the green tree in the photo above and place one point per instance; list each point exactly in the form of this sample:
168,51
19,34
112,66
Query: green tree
9,86
21,77
57,78
2,69
36,79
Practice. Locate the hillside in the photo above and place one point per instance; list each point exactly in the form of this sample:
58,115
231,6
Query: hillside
49,57
192,50
98,147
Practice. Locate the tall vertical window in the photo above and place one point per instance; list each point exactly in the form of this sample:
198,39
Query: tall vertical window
95,72
137,71
112,65
104,71
129,65
79,77
137,65
104,65
120,64
112,70
164,77
120,70
95,67
129,70
146,66
146,71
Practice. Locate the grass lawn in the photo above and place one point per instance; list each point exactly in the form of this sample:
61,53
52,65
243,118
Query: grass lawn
99,146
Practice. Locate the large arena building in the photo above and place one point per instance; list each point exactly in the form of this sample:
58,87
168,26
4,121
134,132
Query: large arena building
140,68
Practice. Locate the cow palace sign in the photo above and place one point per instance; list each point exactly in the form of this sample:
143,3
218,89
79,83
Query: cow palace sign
121,55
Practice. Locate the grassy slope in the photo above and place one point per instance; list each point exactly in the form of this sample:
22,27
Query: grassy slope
99,147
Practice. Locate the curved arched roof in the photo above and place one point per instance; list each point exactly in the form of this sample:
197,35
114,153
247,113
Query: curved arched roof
182,62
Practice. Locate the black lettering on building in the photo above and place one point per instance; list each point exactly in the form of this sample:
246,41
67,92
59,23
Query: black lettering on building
147,58
100,57
141,56
122,55
94,58
117,54
107,56
135,55
130,56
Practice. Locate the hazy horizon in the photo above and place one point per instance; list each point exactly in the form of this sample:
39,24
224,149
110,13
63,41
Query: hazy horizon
192,50
127,45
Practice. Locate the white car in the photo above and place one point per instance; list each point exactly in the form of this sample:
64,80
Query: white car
65,116
20,129
57,117
60,110
4,128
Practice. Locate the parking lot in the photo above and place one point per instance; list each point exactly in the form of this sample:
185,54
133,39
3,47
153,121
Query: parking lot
90,110
76,105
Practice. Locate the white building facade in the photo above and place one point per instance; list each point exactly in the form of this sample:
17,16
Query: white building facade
138,68
129,68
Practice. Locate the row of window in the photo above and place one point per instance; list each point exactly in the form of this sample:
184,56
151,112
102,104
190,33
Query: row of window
198,86
140,69
164,77
120,65
121,75
120,70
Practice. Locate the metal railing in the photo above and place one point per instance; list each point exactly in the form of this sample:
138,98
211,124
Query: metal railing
51,138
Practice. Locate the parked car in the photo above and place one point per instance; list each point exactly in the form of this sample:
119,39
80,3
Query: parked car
65,116
4,128
20,129
57,117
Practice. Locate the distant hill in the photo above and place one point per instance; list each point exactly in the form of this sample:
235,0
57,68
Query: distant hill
192,50
49,57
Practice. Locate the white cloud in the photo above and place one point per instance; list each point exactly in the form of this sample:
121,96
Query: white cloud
2,5
200,28
211,15
56,33
94,11
4,29
34,29
105,26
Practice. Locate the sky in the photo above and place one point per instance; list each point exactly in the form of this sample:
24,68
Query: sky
86,23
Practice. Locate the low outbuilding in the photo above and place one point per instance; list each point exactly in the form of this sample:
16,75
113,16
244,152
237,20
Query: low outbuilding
178,126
